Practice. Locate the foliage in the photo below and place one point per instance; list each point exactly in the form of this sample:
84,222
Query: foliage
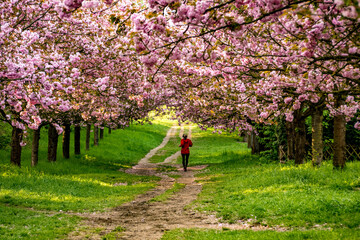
271,137
5,136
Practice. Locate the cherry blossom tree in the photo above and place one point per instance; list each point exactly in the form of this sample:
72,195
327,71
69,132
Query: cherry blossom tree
276,57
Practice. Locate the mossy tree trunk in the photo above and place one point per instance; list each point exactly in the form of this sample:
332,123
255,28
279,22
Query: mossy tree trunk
317,136
52,143
16,138
109,130
77,137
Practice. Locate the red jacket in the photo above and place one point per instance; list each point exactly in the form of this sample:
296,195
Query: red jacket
185,144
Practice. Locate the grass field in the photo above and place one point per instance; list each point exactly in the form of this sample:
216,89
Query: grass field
302,202
33,201
310,203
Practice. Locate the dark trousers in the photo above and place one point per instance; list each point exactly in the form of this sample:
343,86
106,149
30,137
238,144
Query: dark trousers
185,159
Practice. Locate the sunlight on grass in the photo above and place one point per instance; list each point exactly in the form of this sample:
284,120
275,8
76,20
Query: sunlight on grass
240,186
169,149
201,234
89,182
16,223
28,196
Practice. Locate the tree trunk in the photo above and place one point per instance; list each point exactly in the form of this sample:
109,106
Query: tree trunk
339,141
96,135
290,135
16,138
249,139
300,137
66,141
101,133
77,137
52,143
35,147
244,135
109,130
339,138
317,137
255,146
88,130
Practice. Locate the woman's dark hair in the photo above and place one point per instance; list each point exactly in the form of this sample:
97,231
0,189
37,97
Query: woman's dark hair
185,136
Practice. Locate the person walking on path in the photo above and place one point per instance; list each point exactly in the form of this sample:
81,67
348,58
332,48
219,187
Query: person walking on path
185,144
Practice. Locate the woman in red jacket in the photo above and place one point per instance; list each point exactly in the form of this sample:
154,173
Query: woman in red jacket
185,151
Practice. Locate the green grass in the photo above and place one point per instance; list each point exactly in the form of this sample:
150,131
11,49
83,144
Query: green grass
17,223
169,149
80,184
239,186
197,234
313,203
168,193
282,195
208,147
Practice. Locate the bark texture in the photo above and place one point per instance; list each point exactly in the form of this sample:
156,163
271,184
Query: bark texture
339,160
77,137
249,139
339,137
300,137
109,130
290,139
52,143
16,138
317,136
66,141
87,140
101,133
96,135
35,148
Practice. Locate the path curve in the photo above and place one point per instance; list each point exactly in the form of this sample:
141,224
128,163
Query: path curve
172,158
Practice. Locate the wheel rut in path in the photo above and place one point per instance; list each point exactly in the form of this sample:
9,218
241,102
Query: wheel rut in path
145,219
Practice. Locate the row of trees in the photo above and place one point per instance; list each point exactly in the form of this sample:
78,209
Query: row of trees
244,62
223,64
62,63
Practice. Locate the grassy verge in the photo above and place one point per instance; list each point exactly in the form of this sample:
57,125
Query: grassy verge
197,234
18,223
240,187
41,196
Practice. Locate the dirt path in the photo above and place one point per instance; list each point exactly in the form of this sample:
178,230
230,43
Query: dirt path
145,219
